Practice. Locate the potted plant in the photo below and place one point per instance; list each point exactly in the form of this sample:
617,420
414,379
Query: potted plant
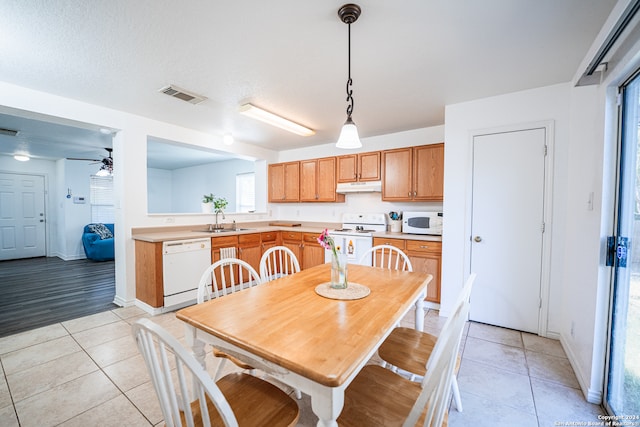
207,203
219,204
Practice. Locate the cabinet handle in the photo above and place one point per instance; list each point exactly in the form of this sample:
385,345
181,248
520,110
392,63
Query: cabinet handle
409,193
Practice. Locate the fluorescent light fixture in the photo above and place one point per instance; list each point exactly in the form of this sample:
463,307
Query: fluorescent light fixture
275,120
21,158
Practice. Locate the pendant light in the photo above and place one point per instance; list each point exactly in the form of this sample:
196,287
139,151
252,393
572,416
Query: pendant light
349,138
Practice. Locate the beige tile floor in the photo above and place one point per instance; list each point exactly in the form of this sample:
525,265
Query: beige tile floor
87,372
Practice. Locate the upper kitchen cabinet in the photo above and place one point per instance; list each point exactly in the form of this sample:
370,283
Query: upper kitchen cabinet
413,173
359,167
284,182
318,181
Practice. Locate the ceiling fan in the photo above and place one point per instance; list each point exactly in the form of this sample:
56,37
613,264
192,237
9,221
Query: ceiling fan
107,163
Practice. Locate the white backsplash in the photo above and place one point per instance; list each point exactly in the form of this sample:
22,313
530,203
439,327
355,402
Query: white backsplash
354,203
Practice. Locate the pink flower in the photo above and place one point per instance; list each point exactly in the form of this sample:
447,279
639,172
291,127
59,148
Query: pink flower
327,242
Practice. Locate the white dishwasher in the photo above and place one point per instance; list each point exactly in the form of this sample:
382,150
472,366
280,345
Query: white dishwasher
183,262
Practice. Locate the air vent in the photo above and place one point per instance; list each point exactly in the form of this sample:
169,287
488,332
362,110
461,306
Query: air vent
9,132
182,94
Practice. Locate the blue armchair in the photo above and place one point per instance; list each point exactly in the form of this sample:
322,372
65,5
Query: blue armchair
97,247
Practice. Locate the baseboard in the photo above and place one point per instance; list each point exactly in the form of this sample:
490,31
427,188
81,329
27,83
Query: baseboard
119,301
592,396
70,257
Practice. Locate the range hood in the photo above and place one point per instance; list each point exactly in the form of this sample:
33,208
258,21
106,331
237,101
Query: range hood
359,187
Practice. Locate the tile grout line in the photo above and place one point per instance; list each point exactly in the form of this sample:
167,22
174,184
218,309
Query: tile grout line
101,369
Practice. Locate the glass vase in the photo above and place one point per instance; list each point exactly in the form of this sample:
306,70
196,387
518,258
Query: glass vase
339,271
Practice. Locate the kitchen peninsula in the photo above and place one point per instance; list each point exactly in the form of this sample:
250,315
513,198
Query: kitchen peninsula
249,241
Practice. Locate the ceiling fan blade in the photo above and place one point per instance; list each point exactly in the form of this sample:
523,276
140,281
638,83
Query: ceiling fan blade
88,160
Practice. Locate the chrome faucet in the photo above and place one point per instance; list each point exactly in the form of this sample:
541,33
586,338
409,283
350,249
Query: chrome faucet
219,226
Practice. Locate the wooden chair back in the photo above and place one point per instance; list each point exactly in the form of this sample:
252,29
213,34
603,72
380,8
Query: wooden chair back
276,262
436,384
226,276
389,257
177,399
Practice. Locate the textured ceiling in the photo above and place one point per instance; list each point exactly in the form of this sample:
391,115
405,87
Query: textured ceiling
409,58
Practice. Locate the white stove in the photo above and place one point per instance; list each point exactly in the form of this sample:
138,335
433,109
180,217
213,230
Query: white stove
356,235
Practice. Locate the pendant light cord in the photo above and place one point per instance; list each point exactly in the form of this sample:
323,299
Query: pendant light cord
349,81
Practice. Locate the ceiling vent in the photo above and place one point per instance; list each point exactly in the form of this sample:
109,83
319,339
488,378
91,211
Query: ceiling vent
182,94
9,132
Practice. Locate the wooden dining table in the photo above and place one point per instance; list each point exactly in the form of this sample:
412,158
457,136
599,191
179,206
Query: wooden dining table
309,342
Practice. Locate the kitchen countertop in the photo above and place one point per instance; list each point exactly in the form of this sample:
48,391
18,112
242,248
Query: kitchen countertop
422,237
167,234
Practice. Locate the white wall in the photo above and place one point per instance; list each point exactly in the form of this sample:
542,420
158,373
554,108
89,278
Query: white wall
462,120
76,178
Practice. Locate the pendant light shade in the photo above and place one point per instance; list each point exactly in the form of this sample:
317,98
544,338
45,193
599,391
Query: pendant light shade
349,135
349,138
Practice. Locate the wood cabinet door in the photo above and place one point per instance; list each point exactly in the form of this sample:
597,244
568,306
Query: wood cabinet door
309,181
428,172
293,241
347,168
292,182
426,256
396,175
326,180
250,249
312,252
369,166
428,263
276,182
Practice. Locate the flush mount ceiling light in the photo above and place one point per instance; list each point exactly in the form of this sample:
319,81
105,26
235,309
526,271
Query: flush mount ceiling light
21,158
275,120
349,138
227,138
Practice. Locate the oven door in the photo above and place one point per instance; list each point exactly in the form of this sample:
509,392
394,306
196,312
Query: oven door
354,246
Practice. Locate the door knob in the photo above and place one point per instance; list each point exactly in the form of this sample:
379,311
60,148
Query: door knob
478,239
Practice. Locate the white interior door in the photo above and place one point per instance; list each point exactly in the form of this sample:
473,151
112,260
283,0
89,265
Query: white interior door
507,226
22,226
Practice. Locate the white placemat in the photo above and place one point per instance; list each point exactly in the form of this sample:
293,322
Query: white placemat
352,291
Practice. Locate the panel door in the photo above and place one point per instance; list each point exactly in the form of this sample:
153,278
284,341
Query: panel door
22,220
507,220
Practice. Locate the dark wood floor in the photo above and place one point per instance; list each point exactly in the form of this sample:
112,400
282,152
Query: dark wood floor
38,292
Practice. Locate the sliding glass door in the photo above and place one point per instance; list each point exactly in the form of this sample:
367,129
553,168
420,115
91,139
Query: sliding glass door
623,382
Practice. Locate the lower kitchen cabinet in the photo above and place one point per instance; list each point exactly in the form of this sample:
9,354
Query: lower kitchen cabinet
312,252
425,256
149,275
293,241
250,249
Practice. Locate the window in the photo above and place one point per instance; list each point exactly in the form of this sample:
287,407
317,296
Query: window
246,192
101,199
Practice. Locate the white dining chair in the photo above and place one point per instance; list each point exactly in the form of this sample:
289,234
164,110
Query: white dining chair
276,262
377,396
387,256
188,395
411,350
223,277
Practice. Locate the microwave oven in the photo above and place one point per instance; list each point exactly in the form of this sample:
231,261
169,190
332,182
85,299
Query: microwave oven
422,223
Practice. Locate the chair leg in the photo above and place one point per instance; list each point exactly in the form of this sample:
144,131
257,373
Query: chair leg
219,369
456,394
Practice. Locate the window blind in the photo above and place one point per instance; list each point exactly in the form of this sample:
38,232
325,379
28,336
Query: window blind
101,199
246,192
